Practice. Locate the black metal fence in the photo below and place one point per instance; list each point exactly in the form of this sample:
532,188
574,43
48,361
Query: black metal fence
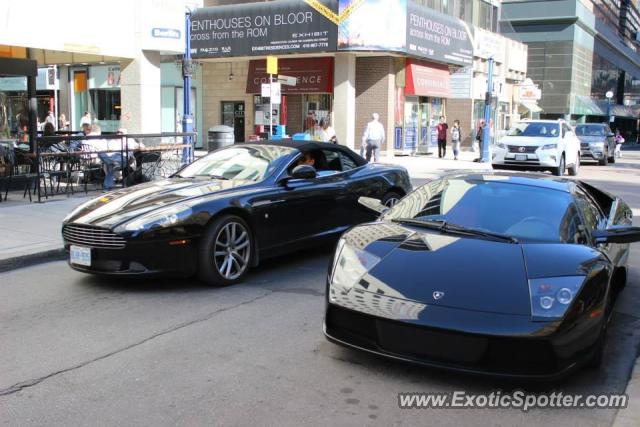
63,164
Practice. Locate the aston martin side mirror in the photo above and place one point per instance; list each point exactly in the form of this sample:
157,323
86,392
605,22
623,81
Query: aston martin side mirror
373,204
617,234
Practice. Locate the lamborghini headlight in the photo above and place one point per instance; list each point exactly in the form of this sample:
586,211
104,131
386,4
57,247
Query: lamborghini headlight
160,218
551,297
349,265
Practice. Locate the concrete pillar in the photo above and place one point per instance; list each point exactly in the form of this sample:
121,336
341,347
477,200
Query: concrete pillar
344,98
140,93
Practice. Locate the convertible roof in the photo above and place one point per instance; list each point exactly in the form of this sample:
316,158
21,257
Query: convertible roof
312,145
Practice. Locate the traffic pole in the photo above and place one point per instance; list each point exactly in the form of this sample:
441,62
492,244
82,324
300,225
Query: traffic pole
270,106
486,133
187,71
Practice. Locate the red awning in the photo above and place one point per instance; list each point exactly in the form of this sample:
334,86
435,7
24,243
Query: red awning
427,79
315,75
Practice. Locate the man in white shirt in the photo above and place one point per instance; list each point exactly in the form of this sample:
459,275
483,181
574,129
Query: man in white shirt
329,132
85,119
373,137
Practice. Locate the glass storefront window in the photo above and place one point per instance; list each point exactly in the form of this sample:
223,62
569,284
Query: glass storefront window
316,107
14,118
105,103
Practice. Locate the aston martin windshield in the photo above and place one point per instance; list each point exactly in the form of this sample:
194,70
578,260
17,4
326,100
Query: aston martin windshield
535,129
504,209
250,163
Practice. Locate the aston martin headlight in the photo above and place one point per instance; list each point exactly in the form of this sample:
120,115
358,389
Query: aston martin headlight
79,208
350,264
550,298
160,218
549,147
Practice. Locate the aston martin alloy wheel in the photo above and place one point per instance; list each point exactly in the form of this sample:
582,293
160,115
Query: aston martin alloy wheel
225,251
390,199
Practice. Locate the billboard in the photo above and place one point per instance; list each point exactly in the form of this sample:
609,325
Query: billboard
437,36
406,27
259,29
373,25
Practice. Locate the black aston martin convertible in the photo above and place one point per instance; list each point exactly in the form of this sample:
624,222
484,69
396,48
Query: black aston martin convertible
501,274
226,211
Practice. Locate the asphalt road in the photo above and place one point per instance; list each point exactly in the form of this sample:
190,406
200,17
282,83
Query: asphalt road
80,350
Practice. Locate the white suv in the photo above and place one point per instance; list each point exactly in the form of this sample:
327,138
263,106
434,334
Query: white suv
539,145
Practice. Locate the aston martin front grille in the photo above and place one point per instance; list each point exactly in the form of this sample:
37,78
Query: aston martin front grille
92,237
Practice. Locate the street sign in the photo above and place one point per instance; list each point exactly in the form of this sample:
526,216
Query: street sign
265,90
272,65
275,93
287,80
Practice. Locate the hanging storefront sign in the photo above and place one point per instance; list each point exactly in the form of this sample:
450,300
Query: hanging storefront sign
529,91
313,75
266,28
425,79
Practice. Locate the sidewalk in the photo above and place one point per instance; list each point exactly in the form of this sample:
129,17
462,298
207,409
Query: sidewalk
423,167
31,231
630,417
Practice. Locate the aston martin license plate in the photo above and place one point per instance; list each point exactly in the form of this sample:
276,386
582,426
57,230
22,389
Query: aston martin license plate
80,256
521,157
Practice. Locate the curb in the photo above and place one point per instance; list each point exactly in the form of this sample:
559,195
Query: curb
32,259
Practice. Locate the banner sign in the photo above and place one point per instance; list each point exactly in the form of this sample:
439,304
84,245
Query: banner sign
404,26
265,28
437,36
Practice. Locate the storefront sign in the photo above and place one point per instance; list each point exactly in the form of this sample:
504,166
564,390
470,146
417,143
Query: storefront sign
461,82
287,26
487,44
529,91
428,79
313,75
165,33
437,36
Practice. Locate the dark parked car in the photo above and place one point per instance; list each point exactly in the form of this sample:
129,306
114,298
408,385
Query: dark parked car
507,275
225,212
597,142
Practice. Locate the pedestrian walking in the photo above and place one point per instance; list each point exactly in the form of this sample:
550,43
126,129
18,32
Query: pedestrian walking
442,137
373,138
456,137
619,140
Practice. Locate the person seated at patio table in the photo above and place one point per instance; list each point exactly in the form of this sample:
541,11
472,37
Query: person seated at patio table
110,154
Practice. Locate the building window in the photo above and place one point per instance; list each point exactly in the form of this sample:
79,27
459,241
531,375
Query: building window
106,103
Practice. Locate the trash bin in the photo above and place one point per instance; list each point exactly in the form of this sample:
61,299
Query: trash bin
220,136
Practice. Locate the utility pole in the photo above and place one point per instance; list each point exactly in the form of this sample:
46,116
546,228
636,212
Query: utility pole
488,99
187,71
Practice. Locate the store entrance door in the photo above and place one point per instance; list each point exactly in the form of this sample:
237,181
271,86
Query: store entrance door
233,116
